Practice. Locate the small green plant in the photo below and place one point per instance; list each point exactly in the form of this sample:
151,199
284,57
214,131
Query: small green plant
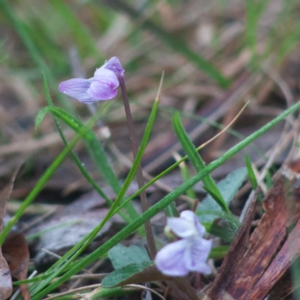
187,228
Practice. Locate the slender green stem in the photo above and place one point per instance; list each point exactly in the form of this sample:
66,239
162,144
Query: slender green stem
140,178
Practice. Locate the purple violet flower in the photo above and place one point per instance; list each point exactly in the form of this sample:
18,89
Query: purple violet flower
103,86
188,254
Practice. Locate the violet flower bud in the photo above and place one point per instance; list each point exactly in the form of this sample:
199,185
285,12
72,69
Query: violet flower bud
188,254
103,86
114,65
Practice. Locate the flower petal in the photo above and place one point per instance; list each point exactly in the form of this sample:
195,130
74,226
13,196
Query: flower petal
76,88
187,225
114,65
181,227
191,216
170,259
101,91
104,85
197,255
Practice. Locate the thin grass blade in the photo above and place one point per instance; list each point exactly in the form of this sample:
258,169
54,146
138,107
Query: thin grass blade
197,161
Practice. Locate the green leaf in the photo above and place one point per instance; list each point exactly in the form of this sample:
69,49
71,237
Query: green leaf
171,211
250,171
218,252
186,176
40,116
119,275
122,256
197,161
225,232
101,292
228,187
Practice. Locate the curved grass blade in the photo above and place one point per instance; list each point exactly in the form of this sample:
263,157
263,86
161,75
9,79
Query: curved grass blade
197,161
250,171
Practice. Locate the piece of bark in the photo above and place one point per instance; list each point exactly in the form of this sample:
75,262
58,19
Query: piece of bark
265,261
280,264
283,288
234,255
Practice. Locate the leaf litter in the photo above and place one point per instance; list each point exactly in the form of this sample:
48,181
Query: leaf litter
14,259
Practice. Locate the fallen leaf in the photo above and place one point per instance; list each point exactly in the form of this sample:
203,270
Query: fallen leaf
5,275
15,251
5,279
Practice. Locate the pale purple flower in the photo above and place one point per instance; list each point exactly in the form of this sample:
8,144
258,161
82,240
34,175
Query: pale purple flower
186,225
187,254
103,86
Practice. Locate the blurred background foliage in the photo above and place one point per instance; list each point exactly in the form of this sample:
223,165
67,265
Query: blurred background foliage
204,47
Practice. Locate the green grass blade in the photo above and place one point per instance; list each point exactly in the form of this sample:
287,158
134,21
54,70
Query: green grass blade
185,174
197,161
250,171
253,12
40,117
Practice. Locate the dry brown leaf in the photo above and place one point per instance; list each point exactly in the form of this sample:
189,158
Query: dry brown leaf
5,275
15,258
5,279
15,251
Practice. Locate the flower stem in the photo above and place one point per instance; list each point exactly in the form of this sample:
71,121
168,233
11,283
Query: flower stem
140,178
